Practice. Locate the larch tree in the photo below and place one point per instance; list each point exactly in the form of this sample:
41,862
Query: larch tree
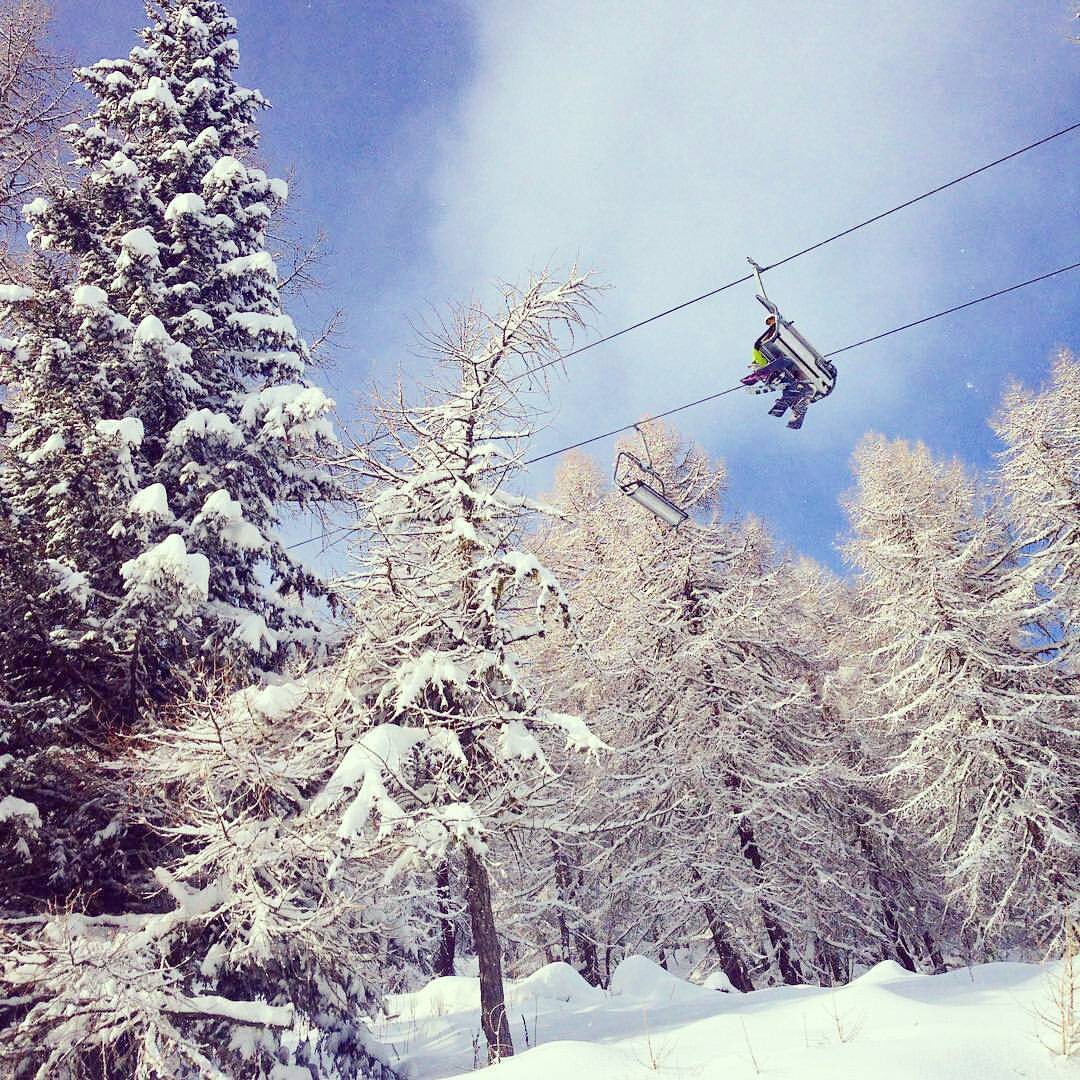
727,801
794,879
452,757
557,909
160,418
635,823
732,809
1040,473
966,734
899,901
35,100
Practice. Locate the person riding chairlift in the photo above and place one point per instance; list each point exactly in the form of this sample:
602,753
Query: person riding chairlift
796,393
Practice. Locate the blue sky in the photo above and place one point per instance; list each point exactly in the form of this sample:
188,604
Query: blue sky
447,146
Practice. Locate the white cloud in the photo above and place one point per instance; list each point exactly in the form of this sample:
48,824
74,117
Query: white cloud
662,142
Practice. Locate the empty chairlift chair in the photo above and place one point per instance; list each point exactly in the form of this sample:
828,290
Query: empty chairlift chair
632,478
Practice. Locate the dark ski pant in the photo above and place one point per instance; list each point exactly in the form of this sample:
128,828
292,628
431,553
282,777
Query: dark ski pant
796,397
796,394
774,369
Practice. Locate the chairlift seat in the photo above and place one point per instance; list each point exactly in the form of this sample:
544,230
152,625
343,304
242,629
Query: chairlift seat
790,346
653,499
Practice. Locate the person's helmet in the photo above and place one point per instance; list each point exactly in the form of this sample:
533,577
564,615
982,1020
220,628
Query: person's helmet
770,317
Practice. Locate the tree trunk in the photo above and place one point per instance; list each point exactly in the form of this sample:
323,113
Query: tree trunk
562,888
781,943
932,950
730,962
901,952
493,1019
579,945
588,958
444,954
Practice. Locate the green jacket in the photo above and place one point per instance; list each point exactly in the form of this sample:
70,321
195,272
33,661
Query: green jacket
759,358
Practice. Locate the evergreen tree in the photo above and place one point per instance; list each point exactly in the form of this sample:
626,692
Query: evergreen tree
252,960
160,417
160,403
451,756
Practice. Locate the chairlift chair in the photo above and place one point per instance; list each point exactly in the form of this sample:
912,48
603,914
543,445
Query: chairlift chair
653,498
789,345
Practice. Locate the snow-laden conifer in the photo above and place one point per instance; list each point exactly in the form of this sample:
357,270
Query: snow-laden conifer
162,415
970,737
160,419
449,755
252,959
1040,472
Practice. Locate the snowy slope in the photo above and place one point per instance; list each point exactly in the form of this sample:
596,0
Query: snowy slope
981,1023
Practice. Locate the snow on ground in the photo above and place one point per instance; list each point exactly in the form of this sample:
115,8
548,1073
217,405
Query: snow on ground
980,1023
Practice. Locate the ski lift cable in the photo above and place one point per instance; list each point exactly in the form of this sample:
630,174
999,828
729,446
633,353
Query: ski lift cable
835,352
740,386
630,427
772,266
957,307
798,254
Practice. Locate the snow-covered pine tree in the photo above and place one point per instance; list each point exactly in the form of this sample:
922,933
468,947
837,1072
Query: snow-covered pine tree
169,360
161,421
968,736
451,753
1040,474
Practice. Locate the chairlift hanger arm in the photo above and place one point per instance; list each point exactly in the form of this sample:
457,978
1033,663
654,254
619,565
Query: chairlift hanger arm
758,271
624,482
763,296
